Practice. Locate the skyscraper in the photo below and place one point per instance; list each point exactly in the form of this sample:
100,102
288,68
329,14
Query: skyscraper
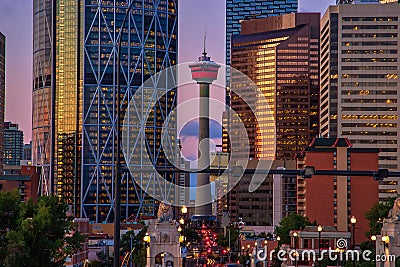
359,81
75,46
281,56
13,144
42,96
239,10
2,94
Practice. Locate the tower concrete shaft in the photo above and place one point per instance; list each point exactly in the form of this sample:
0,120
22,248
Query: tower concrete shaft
204,72
204,160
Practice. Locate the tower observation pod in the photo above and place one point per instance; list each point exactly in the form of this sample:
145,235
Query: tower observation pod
204,72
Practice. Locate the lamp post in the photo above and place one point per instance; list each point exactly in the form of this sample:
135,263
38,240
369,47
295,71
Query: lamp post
373,239
353,221
147,240
385,243
117,148
295,235
256,250
184,211
319,242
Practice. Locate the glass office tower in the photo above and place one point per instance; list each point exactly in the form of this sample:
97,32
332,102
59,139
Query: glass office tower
42,96
359,81
13,144
149,45
239,10
74,120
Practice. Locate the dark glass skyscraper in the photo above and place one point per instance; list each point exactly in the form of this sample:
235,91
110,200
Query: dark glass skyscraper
75,46
238,10
149,45
13,144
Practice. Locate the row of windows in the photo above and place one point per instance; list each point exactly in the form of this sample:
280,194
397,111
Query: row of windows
365,67
366,52
368,125
386,101
369,43
370,117
369,84
369,27
345,133
369,109
369,59
369,19
369,76
379,142
369,35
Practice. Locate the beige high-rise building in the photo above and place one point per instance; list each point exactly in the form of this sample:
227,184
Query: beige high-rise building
359,81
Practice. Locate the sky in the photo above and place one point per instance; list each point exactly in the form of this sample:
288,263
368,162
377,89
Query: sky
195,17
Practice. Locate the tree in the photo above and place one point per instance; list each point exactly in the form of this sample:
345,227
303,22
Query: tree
289,223
375,216
223,241
37,234
9,216
139,253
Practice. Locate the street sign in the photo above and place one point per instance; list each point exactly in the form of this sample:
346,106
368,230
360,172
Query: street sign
184,252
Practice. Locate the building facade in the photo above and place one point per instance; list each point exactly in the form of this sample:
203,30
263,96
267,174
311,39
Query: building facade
263,206
333,200
239,10
74,120
281,56
25,179
13,144
27,155
2,94
359,81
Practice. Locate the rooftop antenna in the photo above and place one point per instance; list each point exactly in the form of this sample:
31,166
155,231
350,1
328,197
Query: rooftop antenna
205,38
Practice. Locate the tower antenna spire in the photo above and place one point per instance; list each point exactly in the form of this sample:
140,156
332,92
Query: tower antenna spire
205,38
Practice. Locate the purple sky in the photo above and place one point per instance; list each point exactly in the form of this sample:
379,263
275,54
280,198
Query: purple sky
16,24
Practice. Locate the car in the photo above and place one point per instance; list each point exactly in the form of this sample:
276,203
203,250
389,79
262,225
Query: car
233,264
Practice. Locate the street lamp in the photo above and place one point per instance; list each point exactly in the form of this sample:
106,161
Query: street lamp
147,240
184,211
295,235
319,242
373,239
353,221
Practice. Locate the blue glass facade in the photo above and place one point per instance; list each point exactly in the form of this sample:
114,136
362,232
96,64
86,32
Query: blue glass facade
149,45
74,120
237,10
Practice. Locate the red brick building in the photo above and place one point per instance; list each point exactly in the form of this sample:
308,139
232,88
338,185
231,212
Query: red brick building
333,200
27,182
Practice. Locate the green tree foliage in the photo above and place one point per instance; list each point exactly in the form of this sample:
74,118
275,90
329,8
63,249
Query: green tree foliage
35,234
223,240
289,223
139,252
191,235
375,216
